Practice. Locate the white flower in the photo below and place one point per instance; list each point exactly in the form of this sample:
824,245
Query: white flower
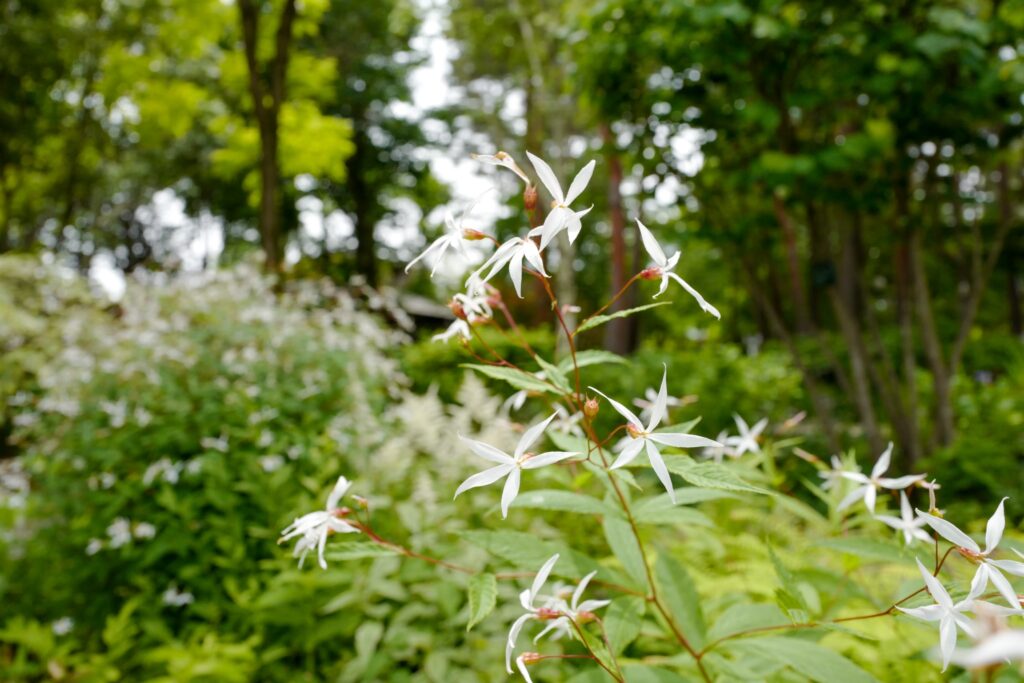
561,217
718,453
511,465
945,612
120,532
573,610
746,441
646,404
94,546
451,239
870,485
175,598
144,530
505,161
988,569
313,528
458,328
526,599
906,522
641,437
998,648
63,626
832,476
511,253
664,266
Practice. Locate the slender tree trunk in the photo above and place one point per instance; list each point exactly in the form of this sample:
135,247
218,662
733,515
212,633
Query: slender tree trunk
267,104
365,212
789,241
620,334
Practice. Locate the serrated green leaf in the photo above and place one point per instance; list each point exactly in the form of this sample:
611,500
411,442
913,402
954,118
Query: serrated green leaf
483,595
624,545
567,501
590,357
709,475
622,621
744,617
355,550
805,657
555,375
870,549
599,320
517,378
681,599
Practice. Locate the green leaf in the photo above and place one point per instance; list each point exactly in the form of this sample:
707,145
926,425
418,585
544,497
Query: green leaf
709,475
568,442
567,501
805,657
519,379
555,375
789,596
744,617
599,320
590,357
870,549
483,594
355,550
526,551
681,599
625,547
622,621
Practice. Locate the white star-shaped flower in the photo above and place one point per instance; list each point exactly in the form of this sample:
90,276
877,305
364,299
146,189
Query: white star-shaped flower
948,615
527,599
907,522
511,466
313,529
746,441
571,610
561,217
505,161
718,453
641,437
646,404
988,569
512,253
999,648
451,239
868,489
663,268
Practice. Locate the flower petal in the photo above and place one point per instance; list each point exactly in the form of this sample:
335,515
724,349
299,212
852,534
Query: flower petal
949,532
994,528
339,490
547,178
488,476
549,458
542,576
658,465
513,635
1003,586
580,182
487,451
531,435
654,249
947,639
938,593
622,410
578,593
628,453
511,490
660,406
701,301
882,464
515,272
683,440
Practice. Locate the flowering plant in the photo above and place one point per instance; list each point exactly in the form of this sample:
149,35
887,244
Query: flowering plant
648,589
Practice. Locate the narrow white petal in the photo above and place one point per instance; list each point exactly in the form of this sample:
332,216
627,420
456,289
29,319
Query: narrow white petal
654,249
488,476
994,528
580,182
1003,586
547,177
994,650
658,465
628,453
705,306
549,458
574,224
513,635
949,532
927,613
531,435
542,576
430,249
487,451
1009,566
554,223
900,482
578,593
622,410
852,497
938,593
660,406
339,490
870,493
882,464
533,257
511,490
683,440
515,272
521,665
947,640
662,287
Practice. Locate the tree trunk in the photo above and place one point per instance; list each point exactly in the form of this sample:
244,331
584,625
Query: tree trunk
620,334
803,318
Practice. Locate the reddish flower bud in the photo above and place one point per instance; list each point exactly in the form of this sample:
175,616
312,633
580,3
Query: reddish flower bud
530,197
652,273
591,407
472,235
531,657
457,310
633,431
545,614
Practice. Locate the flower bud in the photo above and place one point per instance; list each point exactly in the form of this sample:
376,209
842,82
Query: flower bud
633,431
546,614
471,235
361,502
531,657
652,273
591,407
584,617
457,310
530,197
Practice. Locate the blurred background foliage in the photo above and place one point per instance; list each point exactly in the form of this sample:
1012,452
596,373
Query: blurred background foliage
845,182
